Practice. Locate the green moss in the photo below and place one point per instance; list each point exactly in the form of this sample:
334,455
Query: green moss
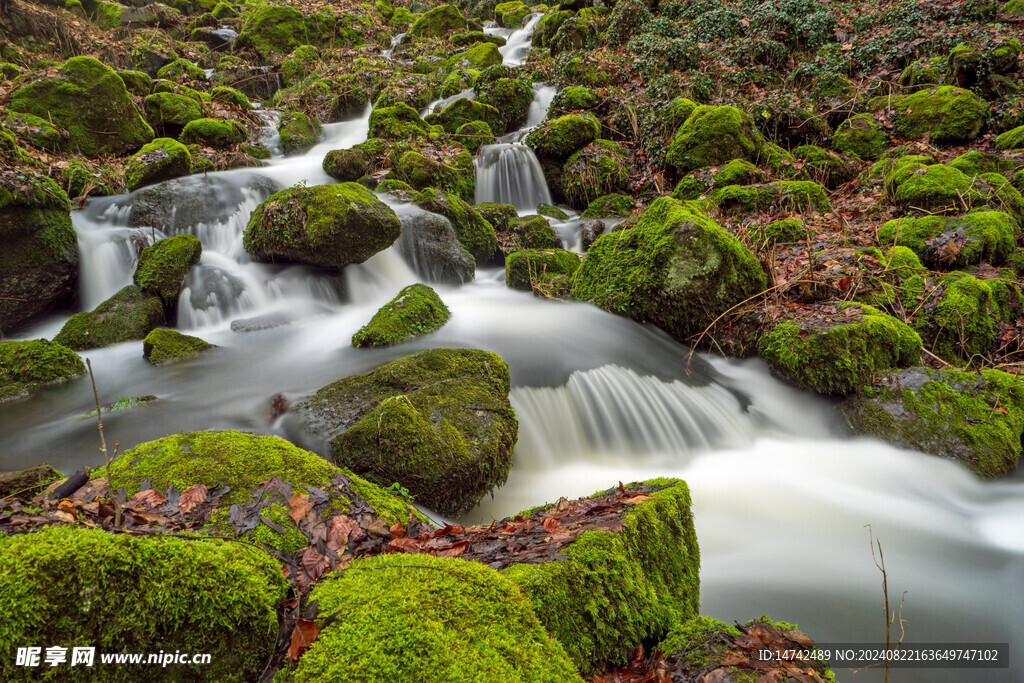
976,419
711,136
610,205
156,162
975,163
170,112
560,138
965,319
453,620
596,170
181,68
861,137
129,315
223,93
398,122
474,135
548,26
691,639
474,232
299,132
479,56
277,30
793,195
438,21
455,176
511,14
328,226
785,230
346,165
256,152
542,271
936,188
171,594
163,266
216,133
136,82
617,590
34,130
1011,139
417,310
825,167
301,63
690,187
28,364
676,268
502,216
924,72
90,101
223,10
575,98
555,212
438,422
835,357
947,114
162,346
986,236
465,110
738,172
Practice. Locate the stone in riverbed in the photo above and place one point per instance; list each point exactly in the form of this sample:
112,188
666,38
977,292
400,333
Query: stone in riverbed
162,267
474,232
163,346
431,247
28,364
129,315
415,311
27,483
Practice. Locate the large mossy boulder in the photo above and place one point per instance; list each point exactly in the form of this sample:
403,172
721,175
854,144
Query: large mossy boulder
276,30
246,464
327,226
447,620
216,133
415,311
164,346
933,187
598,169
455,175
942,243
298,132
88,100
711,136
25,365
170,112
948,114
438,422
71,586
397,122
39,258
974,418
346,165
438,21
510,96
562,137
465,110
160,160
836,354
475,233
676,268
621,587
162,267
129,315
788,195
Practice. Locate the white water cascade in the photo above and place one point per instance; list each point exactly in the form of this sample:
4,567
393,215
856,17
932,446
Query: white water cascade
510,174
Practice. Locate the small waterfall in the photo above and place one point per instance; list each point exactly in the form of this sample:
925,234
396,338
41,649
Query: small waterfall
510,174
378,278
616,412
542,96
519,43
430,247
395,40
438,105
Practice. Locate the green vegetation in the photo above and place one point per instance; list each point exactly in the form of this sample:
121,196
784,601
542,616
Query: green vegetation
163,346
162,267
474,232
217,133
28,364
156,162
541,271
129,315
416,310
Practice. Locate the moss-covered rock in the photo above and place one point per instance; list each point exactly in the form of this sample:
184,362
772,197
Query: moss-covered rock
511,14
299,64
90,102
790,195
209,596
947,114
824,166
474,232
129,315
216,133
39,258
455,175
299,132
465,110
328,226
170,112
835,355
738,172
438,21
545,272
479,56
976,163
784,230
227,95
136,82
415,311
181,69
474,135
562,137
618,205
1011,139
438,422
934,188
162,267
711,136
346,165
398,122
955,242
534,232
619,589
28,481
976,419
860,136
510,96
156,162
556,213
691,187
459,618
278,29
676,268
36,131
597,169
25,365
164,346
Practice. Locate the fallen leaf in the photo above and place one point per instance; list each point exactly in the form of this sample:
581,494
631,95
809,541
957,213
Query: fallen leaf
192,497
299,506
303,635
404,545
149,498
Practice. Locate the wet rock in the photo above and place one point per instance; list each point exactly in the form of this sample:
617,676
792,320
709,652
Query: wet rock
431,247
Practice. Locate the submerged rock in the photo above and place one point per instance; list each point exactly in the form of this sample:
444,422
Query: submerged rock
163,346
437,422
25,365
129,315
178,204
416,310
474,232
431,247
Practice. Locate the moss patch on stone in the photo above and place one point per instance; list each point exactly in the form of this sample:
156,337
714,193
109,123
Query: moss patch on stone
860,136
946,113
935,188
474,232
546,272
596,170
129,315
397,122
415,311
955,242
160,160
711,136
438,21
170,112
25,365
216,133
163,346
162,267
791,195
455,175
560,138
346,165
298,132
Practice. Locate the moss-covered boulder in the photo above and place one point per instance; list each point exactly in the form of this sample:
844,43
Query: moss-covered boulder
560,138
965,240
510,96
397,122
511,14
598,169
136,82
39,258
216,133
455,175
711,136
438,21
327,226
860,136
164,346
36,131
836,354
210,597
676,268
465,110
787,195
438,422
474,135
415,311
544,272
346,165
459,618
276,30
170,112
246,464
129,315
738,172
534,232
934,188
298,132
156,162
824,166
976,163
974,418
231,96
474,232
479,57
162,267
1011,139
25,365
89,101
181,69
618,205
617,589
946,113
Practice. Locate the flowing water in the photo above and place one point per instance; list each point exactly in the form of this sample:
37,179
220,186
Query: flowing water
781,499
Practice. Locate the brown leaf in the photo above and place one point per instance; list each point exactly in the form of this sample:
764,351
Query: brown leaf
192,497
343,528
404,545
454,550
636,500
313,563
299,506
551,524
397,530
844,284
303,635
149,498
